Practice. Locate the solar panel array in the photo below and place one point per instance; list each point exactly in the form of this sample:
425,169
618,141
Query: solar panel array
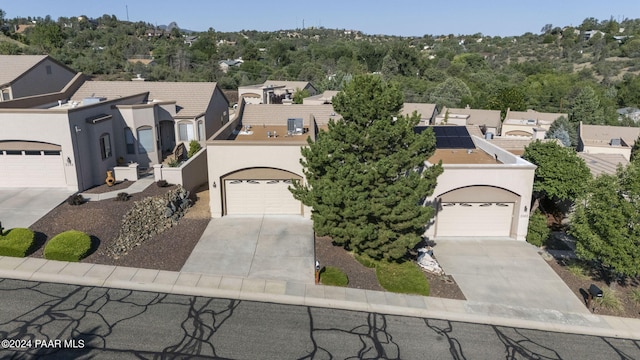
450,137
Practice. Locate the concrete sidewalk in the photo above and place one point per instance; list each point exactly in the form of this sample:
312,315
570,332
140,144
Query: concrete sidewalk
287,292
138,186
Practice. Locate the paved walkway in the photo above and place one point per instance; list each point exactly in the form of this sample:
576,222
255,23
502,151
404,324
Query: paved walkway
256,247
505,272
288,292
138,186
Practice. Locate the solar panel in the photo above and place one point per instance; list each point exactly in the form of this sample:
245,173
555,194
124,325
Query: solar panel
449,137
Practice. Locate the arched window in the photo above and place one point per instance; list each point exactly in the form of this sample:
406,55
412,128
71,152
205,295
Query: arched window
145,139
130,141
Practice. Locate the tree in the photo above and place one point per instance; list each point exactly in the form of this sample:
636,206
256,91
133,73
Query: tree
366,178
606,223
299,95
634,150
451,93
561,176
565,131
586,107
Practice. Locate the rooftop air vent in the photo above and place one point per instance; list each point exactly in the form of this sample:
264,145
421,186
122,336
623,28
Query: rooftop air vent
295,126
616,142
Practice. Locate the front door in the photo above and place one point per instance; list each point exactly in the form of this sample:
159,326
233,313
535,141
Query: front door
167,136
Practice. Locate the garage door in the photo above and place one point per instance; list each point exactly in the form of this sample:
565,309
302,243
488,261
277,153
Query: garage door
32,168
474,219
258,197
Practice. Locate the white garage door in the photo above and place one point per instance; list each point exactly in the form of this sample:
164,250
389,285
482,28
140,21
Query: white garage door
31,168
475,219
258,197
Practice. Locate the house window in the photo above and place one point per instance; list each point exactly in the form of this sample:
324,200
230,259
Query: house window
48,69
129,140
5,95
185,131
145,139
201,134
105,146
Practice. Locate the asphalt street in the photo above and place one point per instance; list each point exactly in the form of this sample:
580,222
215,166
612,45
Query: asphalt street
67,321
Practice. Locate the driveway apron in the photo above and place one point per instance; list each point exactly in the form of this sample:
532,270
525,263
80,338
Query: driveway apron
505,272
262,247
21,207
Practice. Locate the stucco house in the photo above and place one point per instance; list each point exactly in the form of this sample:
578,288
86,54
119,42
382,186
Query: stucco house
254,158
71,138
601,139
427,112
530,123
273,91
29,75
320,99
489,119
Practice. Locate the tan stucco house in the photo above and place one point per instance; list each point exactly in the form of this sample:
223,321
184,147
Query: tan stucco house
71,138
489,119
601,139
531,124
28,75
273,91
427,112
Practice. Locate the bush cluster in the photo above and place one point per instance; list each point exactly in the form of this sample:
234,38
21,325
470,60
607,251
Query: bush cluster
123,196
16,242
76,199
70,245
194,147
538,229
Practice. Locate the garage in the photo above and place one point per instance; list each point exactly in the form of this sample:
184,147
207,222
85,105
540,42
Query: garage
260,197
31,164
474,219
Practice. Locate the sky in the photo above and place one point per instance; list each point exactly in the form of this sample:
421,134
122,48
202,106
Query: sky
395,17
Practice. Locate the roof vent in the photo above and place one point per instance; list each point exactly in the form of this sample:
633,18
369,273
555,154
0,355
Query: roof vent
616,142
92,100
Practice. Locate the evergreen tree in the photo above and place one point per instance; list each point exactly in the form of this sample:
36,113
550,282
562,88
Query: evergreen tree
587,108
366,178
564,131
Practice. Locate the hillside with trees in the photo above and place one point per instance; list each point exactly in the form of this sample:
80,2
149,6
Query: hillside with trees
587,71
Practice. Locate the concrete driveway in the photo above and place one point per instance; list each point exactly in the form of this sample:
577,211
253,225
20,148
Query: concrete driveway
505,272
21,207
261,247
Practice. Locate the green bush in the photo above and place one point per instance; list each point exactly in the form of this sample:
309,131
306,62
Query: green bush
70,245
333,276
609,300
635,296
406,278
16,242
194,147
538,229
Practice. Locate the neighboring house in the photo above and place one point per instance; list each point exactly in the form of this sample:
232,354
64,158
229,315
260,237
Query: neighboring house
630,112
603,163
324,98
226,64
489,119
601,139
484,191
189,40
427,112
530,123
273,91
143,61
28,75
591,33
71,142
254,158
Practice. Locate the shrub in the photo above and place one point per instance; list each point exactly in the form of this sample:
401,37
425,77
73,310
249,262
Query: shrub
333,276
75,199
406,278
579,269
194,147
16,242
123,196
538,229
609,300
173,162
635,296
162,183
70,245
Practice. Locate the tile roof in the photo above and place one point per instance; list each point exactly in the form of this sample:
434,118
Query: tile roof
476,116
425,110
289,85
192,98
601,135
257,114
13,66
534,115
326,97
603,163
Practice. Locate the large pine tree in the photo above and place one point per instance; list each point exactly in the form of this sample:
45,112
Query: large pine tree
366,179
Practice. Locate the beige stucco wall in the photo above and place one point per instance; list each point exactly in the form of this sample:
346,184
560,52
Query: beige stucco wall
190,175
624,151
37,81
224,158
217,114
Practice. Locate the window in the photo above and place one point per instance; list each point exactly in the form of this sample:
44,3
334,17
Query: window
48,68
185,131
105,146
201,134
129,140
6,95
145,140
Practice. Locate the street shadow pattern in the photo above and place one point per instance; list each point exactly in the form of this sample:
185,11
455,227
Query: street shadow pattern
114,323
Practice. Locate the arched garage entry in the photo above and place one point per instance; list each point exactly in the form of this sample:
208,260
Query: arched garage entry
477,211
31,164
260,191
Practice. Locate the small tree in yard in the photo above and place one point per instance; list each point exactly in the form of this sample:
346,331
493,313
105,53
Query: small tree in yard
366,178
561,176
606,224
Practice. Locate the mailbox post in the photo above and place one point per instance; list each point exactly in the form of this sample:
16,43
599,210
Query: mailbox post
317,272
594,292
